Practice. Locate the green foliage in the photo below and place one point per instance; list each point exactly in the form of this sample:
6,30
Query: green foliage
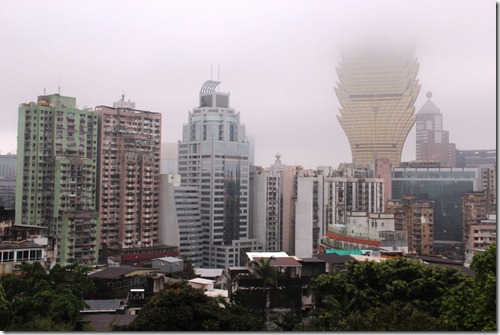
472,306
179,307
41,301
263,269
390,295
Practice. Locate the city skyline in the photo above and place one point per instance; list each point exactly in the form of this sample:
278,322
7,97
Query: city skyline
277,60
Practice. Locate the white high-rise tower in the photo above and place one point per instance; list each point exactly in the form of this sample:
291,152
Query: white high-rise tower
214,157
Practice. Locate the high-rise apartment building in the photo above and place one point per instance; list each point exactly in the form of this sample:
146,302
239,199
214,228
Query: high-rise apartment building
57,175
433,143
214,158
377,90
266,208
129,178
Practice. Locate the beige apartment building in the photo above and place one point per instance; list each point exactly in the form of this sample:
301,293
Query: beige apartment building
129,177
416,218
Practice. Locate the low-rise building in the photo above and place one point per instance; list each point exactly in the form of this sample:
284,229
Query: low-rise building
14,253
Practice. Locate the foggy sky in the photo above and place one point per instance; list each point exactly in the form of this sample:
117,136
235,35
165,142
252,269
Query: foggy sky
277,59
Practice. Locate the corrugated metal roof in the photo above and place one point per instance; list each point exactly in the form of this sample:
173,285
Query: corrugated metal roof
115,272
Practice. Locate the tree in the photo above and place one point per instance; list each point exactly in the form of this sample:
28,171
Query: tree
406,288
484,265
472,306
269,275
41,301
5,309
180,307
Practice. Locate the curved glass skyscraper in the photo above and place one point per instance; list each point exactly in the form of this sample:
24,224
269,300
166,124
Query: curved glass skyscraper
377,90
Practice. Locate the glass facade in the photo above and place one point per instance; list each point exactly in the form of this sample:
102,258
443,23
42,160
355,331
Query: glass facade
213,157
444,188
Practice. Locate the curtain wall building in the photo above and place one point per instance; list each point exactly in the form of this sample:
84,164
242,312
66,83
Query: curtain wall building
377,90
214,157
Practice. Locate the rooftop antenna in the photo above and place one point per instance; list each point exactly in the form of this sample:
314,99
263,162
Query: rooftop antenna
59,86
218,69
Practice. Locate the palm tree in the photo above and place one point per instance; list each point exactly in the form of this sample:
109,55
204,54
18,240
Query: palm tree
263,269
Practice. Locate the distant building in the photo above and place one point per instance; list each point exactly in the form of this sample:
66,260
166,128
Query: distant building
124,104
476,158
57,175
129,178
377,90
8,182
433,142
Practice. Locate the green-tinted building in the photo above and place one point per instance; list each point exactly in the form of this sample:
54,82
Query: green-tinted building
56,183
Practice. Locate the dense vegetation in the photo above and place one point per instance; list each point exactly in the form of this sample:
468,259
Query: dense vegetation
41,301
404,295
399,294
180,307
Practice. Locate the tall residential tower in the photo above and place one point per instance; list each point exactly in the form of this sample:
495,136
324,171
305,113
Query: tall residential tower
129,178
57,175
377,90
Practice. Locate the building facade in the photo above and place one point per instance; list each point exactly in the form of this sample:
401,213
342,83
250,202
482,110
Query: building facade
266,208
433,142
481,235
180,218
214,158
8,181
445,188
416,219
377,90
129,178
57,175
476,158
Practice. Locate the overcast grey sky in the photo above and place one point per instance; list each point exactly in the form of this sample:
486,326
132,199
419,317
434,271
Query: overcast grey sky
277,59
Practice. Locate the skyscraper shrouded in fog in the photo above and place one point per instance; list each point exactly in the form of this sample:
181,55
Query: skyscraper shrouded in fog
214,157
377,90
433,143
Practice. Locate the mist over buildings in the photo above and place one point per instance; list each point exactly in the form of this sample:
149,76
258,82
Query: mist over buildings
277,59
